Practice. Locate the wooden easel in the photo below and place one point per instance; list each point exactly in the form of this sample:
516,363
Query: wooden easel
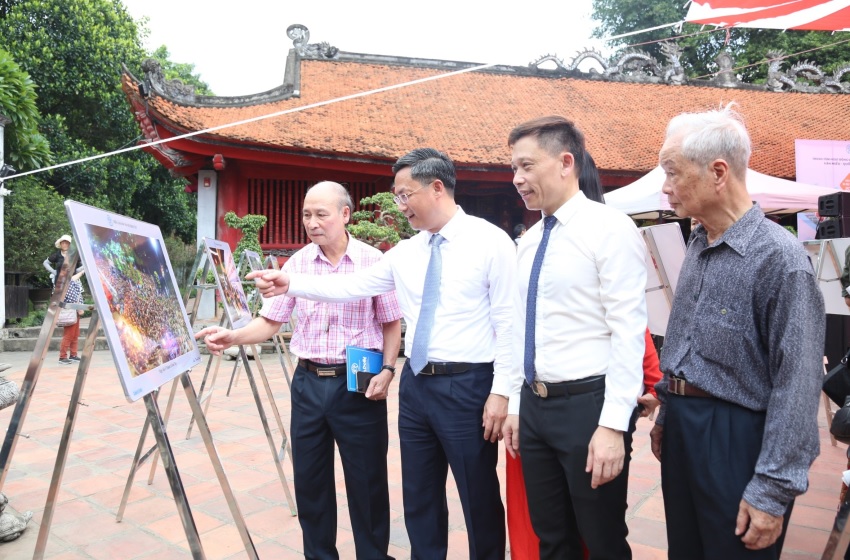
202,265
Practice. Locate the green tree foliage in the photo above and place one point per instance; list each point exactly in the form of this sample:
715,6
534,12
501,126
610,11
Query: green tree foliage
165,202
25,147
250,226
382,227
34,218
74,51
106,183
182,71
747,46
132,184
182,258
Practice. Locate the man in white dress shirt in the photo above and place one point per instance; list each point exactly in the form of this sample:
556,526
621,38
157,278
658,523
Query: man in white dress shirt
578,347
451,408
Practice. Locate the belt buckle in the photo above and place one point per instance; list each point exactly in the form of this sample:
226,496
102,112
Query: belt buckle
428,369
326,372
539,388
677,385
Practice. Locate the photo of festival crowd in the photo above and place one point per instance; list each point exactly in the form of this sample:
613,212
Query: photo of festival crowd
142,299
235,302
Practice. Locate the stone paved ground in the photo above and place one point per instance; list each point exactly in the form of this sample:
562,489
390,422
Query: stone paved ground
108,429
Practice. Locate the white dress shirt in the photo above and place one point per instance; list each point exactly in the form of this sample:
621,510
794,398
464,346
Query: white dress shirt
474,317
591,305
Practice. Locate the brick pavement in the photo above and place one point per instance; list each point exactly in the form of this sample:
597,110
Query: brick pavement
107,432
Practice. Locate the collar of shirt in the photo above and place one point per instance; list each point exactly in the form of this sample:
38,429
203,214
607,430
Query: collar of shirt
315,252
451,230
739,235
569,209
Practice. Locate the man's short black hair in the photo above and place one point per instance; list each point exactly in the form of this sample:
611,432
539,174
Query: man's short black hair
426,165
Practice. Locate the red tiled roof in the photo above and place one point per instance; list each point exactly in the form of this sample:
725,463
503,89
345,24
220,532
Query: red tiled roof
470,115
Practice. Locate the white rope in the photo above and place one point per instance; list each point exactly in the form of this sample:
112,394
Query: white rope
254,119
639,31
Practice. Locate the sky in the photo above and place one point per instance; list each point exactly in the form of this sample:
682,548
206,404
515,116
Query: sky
240,47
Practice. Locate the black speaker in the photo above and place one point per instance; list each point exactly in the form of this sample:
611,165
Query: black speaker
833,228
836,204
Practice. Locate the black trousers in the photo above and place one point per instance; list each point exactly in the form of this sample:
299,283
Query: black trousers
554,435
439,425
324,412
708,455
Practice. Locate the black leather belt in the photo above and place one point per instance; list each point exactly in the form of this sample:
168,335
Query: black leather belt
679,386
447,368
323,370
546,390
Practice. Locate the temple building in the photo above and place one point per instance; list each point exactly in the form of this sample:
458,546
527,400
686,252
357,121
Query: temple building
347,117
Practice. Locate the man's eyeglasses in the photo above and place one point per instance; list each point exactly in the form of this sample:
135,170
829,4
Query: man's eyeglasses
404,198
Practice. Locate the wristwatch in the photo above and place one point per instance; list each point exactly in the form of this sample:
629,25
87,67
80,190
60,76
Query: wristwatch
389,367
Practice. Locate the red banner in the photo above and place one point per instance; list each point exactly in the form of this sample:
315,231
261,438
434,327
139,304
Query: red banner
814,15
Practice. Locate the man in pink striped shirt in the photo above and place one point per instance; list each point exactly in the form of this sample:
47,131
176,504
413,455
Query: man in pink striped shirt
323,410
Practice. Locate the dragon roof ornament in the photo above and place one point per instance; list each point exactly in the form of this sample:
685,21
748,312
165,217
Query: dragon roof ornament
300,36
635,66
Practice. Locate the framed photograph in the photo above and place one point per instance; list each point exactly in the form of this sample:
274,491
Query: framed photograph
136,297
229,283
255,262
271,263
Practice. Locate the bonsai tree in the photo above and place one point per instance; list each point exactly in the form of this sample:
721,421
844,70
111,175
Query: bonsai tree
383,227
250,226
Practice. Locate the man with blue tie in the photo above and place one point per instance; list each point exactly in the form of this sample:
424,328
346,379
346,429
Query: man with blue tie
455,284
579,331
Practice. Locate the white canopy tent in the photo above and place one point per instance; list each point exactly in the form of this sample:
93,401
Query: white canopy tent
644,199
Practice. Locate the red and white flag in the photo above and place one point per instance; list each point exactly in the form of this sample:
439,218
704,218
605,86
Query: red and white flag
813,15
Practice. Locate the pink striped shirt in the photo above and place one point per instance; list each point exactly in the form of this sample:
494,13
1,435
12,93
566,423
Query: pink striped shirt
324,330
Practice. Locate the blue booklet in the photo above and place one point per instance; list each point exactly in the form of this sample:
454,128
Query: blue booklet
362,366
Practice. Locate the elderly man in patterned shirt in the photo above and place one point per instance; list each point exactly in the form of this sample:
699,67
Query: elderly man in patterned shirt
323,411
743,357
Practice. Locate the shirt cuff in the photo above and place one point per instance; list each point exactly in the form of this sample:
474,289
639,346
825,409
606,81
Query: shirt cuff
616,416
501,385
294,285
513,404
765,496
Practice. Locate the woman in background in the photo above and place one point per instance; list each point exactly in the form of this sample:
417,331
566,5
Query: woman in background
70,333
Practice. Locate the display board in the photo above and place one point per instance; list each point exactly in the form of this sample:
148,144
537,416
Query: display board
136,295
255,262
665,253
828,266
229,283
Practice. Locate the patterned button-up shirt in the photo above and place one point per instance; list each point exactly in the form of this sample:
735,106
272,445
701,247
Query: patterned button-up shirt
323,330
747,325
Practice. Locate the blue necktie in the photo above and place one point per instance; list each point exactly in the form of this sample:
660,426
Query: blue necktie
531,301
430,298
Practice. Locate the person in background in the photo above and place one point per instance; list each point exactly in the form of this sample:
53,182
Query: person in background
69,346
324,412
519,231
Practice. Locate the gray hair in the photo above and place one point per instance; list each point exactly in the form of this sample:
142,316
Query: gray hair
426,165
717,134
344,197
